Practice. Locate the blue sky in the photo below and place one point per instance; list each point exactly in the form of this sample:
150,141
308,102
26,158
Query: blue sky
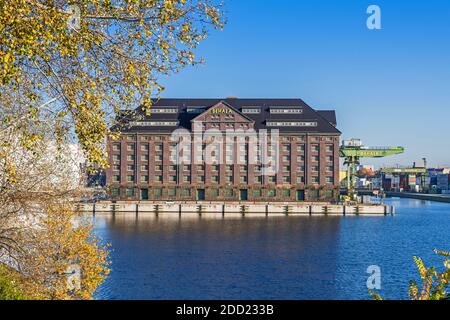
388,87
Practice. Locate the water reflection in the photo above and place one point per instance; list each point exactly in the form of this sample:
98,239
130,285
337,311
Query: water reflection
165,257
277,257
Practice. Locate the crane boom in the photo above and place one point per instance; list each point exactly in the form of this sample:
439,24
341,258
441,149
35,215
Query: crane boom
352,150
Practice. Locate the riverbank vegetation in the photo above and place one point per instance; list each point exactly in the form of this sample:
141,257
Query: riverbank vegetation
65,73
434,284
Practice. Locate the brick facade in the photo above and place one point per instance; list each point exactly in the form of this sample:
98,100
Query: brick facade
142,168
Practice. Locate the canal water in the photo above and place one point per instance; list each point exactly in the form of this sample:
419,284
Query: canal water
296,257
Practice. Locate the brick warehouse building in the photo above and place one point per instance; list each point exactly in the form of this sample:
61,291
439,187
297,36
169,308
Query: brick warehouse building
143,165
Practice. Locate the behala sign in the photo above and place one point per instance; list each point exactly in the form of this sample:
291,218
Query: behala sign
221,110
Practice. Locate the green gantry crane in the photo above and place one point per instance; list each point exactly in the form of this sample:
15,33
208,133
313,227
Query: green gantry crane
422,171
352,151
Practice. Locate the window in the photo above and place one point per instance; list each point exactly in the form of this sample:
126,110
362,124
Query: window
144,167
130,147
258,168
315,158
144,147
271,193
171,192
315,168
251,110
286,168
215,168
291,124
286,179
172,178
271,179
201,179
329,194
158,147
154,123
114,192
200,167
258,179
257,193
173,168
329,168
243,168
215,179
301,168
229,168
130,178
158,158
163,110
314,194
185,192
286,193
286,110
286,148
214,193
286,158
129,192
116,157
315,180
330,158
229,179
301,148
157,192
315,148
158,178
329,148
130,157
329,179
144,178
300,158
116,147
300,179
186,179
144,157
130,167
116,167
158,168
196,110
228,193
243,179
116,179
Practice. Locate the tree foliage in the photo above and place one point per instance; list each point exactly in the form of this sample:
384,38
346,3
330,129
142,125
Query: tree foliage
80,69
65,72
41,236
434,283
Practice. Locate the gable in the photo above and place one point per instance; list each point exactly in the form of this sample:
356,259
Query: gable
222,112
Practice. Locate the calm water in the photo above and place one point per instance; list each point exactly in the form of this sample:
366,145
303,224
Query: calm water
301,257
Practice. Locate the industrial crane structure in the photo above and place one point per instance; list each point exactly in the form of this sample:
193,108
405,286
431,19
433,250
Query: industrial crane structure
410,172
352,151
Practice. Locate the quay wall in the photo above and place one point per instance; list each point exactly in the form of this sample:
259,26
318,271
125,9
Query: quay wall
411,195
241,208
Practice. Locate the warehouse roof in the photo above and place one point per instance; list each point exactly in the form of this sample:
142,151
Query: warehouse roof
183,111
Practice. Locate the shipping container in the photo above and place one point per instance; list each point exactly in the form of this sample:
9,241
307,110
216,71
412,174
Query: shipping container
442,181
387,184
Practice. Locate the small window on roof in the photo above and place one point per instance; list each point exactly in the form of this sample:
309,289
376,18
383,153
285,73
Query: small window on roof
195,109
286,110
164,110
251,110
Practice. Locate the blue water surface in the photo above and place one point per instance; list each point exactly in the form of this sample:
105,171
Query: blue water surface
279,257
